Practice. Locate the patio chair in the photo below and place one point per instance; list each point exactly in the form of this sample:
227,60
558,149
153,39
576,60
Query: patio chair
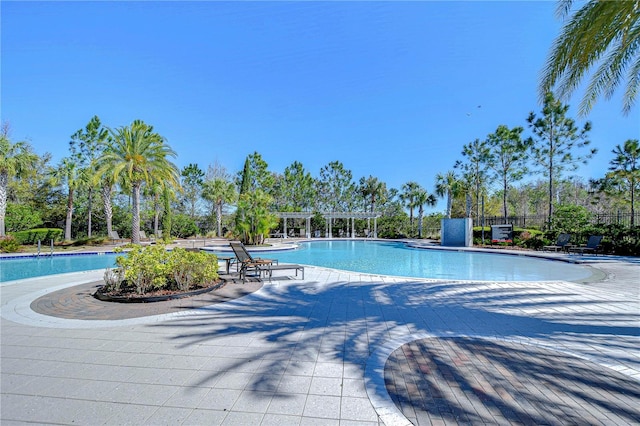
561,243
593,246
114,237
245,262
143,236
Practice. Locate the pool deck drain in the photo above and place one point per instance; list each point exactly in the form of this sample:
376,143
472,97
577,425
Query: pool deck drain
318,351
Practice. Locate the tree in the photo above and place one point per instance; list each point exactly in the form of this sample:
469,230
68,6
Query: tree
16,159
603,34
373,191
192,180
68,174
297,188
508,158
624,172
448,184
86,147
556,141
255,175
334,186
253,220
408,195
422,198
139,155
219,192
475,170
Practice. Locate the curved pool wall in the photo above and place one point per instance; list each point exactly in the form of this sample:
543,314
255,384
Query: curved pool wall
372,257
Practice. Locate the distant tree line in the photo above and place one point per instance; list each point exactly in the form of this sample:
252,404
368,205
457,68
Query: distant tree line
130,170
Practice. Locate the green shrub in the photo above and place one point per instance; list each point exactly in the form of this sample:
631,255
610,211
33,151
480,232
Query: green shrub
32,236
21,216
154,268
183,226
9,244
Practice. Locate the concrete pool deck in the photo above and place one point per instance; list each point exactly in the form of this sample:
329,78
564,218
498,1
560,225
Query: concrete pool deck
336,348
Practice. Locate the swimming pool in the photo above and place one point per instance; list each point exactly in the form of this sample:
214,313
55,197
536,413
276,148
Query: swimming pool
36,266
396,258
384,258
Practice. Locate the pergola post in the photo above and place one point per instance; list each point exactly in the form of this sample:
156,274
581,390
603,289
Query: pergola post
375,227
286,235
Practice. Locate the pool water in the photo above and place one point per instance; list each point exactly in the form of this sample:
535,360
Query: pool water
394,258
36,266
383,258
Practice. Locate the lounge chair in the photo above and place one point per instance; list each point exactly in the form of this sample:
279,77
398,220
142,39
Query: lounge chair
561,243
143,236
593,246
245,262
114,237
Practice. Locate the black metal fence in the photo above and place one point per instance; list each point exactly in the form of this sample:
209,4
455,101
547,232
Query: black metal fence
619,218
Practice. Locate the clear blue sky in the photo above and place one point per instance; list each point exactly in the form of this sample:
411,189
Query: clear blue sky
390,89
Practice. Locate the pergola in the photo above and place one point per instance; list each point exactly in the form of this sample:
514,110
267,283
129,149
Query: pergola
330,215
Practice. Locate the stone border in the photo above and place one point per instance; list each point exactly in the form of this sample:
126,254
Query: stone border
152,299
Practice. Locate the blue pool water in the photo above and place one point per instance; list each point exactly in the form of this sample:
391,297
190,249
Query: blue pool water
393,258
28,267
385,258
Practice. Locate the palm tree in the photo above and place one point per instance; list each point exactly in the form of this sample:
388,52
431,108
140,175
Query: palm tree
68,173
602,33
16,159
373,190
408,195
219,192
422,198
139,155
447,184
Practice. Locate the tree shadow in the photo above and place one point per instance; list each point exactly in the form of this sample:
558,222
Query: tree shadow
481,381
290,326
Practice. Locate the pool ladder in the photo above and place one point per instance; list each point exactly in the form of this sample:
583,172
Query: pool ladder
50,251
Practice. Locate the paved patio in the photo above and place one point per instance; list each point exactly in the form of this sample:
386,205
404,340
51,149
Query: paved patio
336,348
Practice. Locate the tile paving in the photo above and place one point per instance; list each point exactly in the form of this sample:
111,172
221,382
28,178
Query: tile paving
337,348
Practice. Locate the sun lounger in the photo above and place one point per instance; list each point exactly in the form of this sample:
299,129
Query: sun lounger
114,237
593,246
246,263
561,243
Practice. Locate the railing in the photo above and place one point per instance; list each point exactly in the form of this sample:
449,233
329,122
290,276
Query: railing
619,218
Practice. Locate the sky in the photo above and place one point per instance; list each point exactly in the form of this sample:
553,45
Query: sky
390,89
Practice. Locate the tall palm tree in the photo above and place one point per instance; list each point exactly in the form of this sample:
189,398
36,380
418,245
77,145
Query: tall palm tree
373,190
422,198
16,159
408,195
139,156
605,34
219,192
68,173
447,184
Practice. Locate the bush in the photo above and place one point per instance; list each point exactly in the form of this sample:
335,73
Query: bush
43,234
182,226
153,268
21,216
9,244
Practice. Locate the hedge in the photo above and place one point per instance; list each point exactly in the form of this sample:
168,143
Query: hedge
32,236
